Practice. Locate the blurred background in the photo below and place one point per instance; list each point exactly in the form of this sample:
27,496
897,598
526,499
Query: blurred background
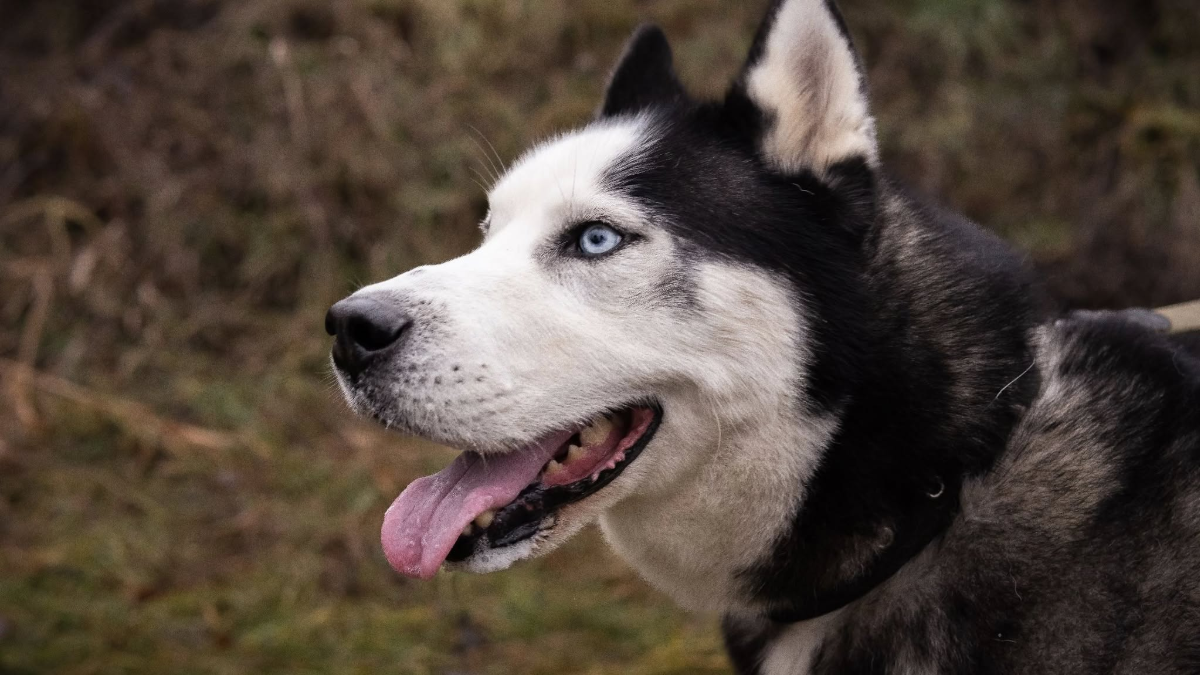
186,185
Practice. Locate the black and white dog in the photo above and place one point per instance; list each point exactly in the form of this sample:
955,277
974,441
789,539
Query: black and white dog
789,393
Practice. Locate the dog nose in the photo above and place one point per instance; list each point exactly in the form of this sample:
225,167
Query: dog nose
363,327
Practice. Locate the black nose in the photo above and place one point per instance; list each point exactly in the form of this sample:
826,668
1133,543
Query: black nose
364,328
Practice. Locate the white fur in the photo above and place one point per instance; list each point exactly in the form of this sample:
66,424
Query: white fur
792,652
516,340
496,559
730,467
513,326
808,83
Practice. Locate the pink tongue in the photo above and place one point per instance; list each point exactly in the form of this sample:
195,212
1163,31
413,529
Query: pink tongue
423,523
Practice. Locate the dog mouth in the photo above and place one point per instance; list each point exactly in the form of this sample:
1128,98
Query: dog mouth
494,501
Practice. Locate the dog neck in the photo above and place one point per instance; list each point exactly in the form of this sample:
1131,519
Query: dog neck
943,373
914,364
733,445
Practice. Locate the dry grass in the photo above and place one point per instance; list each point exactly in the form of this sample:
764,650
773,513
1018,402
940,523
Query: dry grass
185,185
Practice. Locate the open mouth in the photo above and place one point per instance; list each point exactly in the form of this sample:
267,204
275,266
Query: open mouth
495,501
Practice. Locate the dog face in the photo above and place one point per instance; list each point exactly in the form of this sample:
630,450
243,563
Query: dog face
633,342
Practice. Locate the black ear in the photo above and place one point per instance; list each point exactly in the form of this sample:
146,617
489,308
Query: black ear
644,77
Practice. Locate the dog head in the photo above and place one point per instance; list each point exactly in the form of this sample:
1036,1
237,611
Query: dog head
642,336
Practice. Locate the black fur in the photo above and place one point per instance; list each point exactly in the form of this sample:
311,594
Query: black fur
644,77
884,342
931,522
1077,552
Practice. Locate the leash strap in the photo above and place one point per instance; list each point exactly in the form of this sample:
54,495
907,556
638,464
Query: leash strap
1184,317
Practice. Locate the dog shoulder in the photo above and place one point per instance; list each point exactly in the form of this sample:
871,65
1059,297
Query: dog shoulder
1089,525
1079,551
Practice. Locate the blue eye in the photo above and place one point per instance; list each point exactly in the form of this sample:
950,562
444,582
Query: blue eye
598,239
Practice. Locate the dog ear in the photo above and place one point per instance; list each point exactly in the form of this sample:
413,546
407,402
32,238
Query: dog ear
644,77
803,86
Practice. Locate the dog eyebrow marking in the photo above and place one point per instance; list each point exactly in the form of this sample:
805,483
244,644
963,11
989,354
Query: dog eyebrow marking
532,189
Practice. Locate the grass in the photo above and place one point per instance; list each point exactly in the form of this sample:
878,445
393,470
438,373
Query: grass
185,186
230,561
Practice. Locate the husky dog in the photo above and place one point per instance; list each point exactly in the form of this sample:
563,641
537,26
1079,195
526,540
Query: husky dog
789,392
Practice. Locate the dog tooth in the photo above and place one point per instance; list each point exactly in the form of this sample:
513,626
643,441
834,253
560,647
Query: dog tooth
574,453
468,530
484,520
596,432
552,467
